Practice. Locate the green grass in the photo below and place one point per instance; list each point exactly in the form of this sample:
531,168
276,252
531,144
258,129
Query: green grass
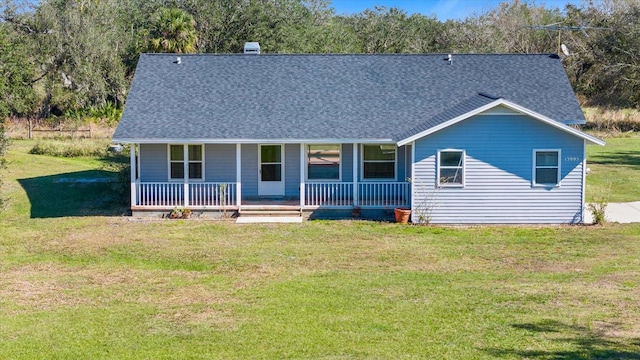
615,170
93,284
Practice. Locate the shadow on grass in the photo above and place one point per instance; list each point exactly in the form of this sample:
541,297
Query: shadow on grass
586,343
626,158
83,193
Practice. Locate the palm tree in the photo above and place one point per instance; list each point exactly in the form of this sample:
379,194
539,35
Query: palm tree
173,30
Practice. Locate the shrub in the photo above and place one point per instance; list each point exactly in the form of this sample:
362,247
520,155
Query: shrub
612,121
68,148
597,208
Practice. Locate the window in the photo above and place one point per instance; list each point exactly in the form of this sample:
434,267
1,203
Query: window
451,168
323,162
546,167
378,162
176,161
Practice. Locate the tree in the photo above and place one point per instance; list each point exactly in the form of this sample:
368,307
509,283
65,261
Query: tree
605,61
17,96
173,30
16,91
77,47
509,28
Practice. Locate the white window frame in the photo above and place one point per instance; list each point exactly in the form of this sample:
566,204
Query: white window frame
463,167
395,164
186,169
535,166
306,162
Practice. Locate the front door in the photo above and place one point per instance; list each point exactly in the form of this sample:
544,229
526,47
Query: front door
271,170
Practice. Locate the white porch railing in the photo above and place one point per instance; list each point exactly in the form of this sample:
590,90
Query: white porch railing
384,194
372,195
333,194
217,195
203,195
160,194
325,194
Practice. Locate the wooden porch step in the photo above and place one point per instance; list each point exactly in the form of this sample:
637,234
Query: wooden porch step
269,212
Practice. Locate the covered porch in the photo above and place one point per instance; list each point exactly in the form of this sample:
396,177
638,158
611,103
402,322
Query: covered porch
237,177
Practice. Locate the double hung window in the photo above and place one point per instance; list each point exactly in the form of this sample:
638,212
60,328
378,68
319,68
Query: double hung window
195,161
451,167
546,167
379,162
323,162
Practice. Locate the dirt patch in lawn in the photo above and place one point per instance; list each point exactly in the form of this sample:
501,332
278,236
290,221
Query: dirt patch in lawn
47,286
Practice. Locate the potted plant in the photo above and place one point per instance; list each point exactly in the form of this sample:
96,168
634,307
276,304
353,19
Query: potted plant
186,213
402,215
175,213
355,211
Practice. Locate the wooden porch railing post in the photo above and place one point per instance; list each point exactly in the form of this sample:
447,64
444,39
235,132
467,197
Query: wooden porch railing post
302,172
238,174
132,161
355,175
185,191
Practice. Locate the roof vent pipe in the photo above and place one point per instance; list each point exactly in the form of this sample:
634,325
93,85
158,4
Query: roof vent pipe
178,61
450,59
251,48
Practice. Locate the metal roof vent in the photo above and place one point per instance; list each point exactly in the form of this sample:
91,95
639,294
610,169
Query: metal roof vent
251,48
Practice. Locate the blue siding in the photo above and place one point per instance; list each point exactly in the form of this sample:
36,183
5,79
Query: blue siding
292,170
407,161
154,166
403,163
498,179
347,162
220,163
249,170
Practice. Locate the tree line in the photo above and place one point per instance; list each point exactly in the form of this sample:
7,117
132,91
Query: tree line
69,57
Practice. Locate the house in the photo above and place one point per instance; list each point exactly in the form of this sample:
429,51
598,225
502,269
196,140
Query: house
463,138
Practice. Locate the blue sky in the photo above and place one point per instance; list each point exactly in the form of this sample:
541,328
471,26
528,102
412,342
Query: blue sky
442,9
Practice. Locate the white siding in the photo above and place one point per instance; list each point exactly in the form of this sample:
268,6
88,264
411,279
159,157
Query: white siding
498,179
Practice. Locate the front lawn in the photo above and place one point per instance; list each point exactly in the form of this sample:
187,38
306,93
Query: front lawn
615,170
88,283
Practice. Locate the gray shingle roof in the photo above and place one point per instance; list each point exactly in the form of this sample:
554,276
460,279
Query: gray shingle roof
377,97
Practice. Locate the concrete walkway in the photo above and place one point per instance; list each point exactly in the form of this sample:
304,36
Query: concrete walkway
618,212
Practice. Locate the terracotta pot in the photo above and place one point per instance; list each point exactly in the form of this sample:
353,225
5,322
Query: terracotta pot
402,215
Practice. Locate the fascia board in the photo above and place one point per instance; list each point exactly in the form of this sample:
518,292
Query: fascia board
512,106
249,141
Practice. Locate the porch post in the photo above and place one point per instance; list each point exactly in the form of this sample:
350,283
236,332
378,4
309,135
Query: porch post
302,172
134,180
238,174
355,174
413,174
185,149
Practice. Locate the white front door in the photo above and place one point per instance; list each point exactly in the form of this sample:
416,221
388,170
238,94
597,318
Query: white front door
271,170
